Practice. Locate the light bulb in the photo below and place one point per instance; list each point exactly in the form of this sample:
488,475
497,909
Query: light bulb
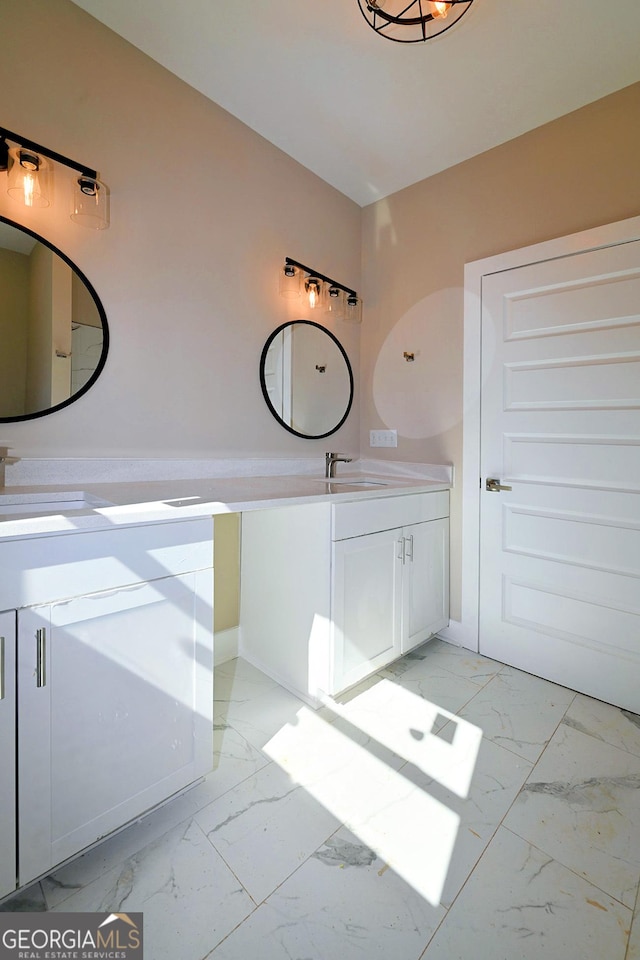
313,290
28,188
441,9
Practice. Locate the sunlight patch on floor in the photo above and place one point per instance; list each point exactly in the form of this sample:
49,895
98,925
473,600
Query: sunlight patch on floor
354,776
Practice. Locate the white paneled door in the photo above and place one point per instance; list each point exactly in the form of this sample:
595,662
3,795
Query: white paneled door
560,429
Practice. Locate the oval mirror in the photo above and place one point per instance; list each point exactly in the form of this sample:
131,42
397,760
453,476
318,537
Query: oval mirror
53,329
306,379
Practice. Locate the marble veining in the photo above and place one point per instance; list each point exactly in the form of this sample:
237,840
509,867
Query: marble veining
591,824
596,792
345,854
324,834
243,810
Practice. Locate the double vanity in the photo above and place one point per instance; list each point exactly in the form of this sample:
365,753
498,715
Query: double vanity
106,619
107,589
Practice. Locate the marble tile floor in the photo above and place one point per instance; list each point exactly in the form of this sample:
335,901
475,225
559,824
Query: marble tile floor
449,808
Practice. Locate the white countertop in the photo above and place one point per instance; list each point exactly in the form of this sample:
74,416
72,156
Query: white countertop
158,501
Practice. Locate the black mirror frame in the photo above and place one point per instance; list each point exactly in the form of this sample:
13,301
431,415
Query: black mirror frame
103,318
265,349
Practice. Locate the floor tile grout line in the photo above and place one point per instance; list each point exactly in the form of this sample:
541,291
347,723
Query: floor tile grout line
424,954
263,902
634,918
565,866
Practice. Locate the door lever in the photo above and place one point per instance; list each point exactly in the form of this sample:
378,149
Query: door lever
493,485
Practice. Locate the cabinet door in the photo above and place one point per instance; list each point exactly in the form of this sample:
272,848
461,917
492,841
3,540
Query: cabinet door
426,581
114,708
367,599
7,753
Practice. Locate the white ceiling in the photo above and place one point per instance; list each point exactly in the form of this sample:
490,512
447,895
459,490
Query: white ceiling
370,116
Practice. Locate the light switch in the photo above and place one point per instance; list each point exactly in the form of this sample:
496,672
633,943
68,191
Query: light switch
383,438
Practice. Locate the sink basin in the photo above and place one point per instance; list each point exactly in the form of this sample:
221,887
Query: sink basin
354,481
54,502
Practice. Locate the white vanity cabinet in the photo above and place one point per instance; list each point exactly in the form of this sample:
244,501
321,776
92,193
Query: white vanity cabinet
114,680
7,753
390,589
333,592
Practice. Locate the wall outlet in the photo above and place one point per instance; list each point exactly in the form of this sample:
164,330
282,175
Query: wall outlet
383,438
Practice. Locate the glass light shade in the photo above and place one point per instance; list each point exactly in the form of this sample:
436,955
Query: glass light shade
90,203
353,309
334,302
290,282
29,178
313,287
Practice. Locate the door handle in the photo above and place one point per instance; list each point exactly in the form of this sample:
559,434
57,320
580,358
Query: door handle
493,485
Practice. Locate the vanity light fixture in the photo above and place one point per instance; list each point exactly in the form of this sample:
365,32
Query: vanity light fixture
412,21
29,178
322,293
29,169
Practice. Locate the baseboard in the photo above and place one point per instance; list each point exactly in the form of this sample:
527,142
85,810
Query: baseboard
226,644
459,636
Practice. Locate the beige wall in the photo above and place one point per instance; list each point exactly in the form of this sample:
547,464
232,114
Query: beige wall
203,213
578,172
226,566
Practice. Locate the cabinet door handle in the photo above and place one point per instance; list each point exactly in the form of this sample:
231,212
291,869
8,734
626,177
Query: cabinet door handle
1,668
401,555
409,551
41,657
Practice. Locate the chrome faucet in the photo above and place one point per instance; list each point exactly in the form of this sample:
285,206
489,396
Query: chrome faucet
330,460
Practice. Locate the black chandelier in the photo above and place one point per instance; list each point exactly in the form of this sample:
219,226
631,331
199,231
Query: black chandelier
412,21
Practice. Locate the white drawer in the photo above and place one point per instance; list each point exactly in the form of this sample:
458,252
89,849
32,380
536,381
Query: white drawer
355,519
45,569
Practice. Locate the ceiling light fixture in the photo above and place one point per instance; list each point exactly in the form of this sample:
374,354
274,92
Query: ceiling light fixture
412,21
29,167
321,292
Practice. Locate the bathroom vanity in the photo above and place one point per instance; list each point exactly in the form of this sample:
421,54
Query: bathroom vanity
106,620
332,592
107,684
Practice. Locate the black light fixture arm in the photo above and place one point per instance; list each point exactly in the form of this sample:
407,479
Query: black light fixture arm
412,21
404,20
320,276
51,154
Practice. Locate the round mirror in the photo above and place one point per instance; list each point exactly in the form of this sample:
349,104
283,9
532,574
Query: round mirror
306,379
53,329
